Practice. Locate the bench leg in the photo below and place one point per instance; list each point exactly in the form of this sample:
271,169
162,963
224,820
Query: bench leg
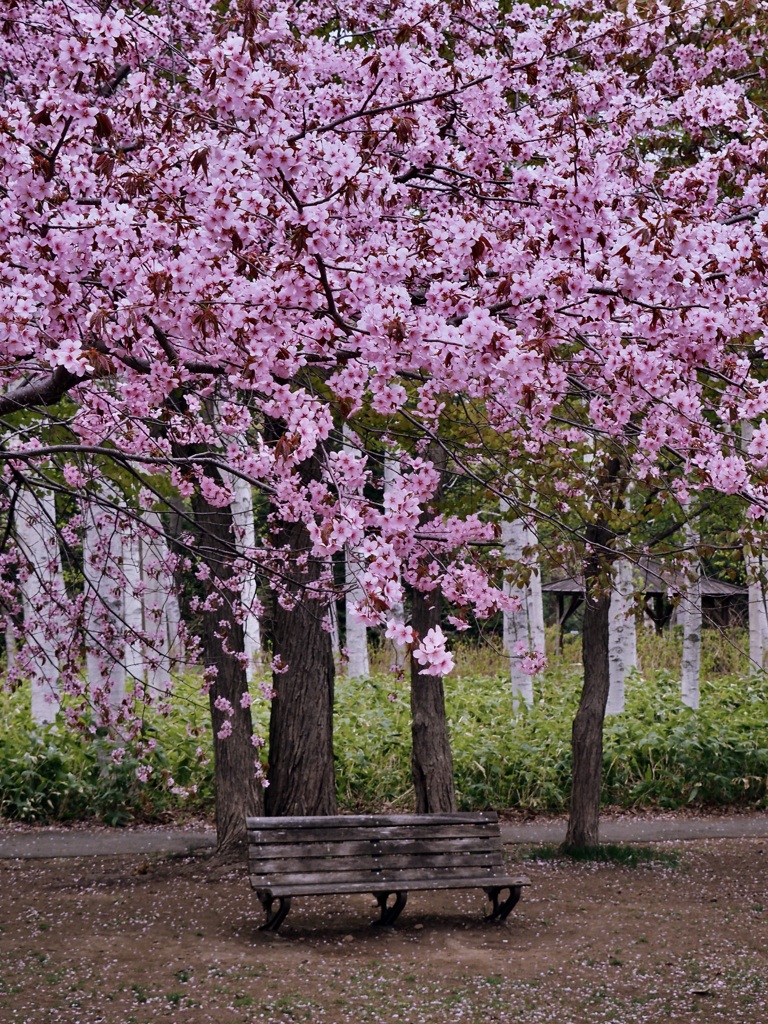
390,914
274,918
500,911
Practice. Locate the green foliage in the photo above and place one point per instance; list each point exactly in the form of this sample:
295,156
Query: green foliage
55,773
658,753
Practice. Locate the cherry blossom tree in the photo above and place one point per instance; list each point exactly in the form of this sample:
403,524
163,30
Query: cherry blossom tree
215,223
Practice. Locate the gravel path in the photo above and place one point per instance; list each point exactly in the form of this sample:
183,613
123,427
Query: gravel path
30,843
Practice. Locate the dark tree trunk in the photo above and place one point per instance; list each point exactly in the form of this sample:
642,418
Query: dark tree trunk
587,734
431,761
302,777
237,789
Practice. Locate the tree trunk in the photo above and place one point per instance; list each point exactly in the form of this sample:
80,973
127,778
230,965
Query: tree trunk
356,633
758,619
622,634
104,604
534,595
302,777
42,590
397,653
237,789
517,626
587,733
243,515
161,611
692,622
431,762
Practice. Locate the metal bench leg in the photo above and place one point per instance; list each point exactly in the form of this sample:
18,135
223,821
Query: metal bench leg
500,911
390,914
276,918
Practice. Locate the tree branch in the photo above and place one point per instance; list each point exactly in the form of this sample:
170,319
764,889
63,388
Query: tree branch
399,105
42,392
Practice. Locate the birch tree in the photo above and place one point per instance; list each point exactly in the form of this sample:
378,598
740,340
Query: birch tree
523,627
622,634
43,597
245,525
691,618
356,632
104,609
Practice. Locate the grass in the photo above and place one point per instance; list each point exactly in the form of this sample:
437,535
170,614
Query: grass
656,754
628,856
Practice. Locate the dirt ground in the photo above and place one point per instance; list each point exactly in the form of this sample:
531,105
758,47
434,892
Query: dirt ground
127,940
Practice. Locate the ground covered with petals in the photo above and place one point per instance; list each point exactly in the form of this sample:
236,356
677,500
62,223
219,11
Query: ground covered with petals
126,940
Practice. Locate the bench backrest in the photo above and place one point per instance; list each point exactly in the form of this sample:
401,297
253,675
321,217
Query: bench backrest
372,847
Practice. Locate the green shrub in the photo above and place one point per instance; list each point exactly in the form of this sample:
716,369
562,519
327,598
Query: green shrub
658,753
58,773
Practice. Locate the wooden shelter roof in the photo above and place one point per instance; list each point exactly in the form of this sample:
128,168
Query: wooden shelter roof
653,578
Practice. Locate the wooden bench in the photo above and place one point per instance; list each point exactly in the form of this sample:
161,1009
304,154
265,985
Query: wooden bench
385,854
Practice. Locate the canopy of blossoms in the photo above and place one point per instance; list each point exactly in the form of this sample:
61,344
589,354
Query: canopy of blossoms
556,215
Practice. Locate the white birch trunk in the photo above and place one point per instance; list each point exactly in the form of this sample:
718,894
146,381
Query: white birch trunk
173,615
10,645
758,614
42,588
356,639
333,615
756,638
622,636
762,606
150,605
104,597
517,625
357,634
535,598
396,651
133,605
245,526
691,618
161,607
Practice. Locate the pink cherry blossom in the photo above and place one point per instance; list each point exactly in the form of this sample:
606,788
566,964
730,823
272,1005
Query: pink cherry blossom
431,653
399,632
489,245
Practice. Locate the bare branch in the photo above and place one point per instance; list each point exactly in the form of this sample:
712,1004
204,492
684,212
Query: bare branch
387,108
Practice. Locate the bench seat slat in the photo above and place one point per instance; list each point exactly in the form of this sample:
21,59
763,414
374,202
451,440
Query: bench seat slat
415,885
350,848
368,848
348,834
360,864
396,876
372,820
